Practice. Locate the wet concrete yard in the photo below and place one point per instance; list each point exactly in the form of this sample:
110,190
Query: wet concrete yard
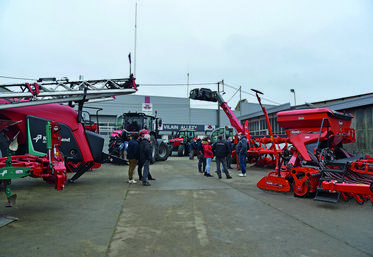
183,213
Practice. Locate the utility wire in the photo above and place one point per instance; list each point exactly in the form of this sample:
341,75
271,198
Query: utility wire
254,95
177,84
233,95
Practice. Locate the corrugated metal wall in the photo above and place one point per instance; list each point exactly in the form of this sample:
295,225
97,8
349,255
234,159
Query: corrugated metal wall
364,129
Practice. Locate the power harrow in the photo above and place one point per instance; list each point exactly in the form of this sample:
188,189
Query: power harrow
318,164
310,158
50,167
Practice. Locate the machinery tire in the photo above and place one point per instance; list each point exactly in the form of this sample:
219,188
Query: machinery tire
187,151
154,147
163,151
4,144
181,150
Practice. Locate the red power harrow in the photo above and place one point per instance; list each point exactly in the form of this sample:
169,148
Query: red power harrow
318,163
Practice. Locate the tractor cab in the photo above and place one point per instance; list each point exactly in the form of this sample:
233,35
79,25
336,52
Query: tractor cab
225,132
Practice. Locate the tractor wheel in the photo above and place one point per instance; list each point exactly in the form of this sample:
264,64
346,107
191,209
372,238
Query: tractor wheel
163,151
181,150
154,147
4,145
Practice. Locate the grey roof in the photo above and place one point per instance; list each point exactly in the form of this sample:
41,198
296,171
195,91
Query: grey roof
351,103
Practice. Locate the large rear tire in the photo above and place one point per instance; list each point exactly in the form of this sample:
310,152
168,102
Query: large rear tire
181,150
163,151
154,147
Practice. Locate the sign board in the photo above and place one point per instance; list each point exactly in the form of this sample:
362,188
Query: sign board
177,127
147,108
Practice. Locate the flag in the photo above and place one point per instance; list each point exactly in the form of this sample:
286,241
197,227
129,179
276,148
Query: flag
129,57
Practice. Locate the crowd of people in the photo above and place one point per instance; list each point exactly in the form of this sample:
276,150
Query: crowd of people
139,153
222,151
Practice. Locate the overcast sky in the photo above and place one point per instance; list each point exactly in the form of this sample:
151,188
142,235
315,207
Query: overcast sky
320,48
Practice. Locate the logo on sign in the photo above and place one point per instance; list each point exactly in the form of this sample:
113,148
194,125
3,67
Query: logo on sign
147,108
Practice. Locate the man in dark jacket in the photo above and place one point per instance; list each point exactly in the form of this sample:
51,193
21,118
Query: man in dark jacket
241,150
229,156
201,157
220,150
133,157
140,163
145,157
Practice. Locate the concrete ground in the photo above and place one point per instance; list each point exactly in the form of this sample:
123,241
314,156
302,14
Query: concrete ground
183,213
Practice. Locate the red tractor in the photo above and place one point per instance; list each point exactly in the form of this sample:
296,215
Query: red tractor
181,142
132,122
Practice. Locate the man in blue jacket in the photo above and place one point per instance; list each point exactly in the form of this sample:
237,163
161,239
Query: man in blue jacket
241,150
133,157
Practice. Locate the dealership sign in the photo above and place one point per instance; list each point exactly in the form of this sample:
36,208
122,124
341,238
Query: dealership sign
177,127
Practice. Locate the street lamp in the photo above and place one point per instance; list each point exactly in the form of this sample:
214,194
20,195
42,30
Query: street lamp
293,91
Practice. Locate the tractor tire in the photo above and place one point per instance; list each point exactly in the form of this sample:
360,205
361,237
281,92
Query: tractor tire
4,145
163,151
187,151
154,147
181,150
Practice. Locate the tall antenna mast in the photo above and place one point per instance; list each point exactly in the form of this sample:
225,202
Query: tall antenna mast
134,53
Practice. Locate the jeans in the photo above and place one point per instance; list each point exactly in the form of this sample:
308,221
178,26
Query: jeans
208,163
201,163
146,171
242,162
223,162
140,164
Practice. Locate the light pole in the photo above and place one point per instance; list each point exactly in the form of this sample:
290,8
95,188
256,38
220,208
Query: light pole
189,118
293,91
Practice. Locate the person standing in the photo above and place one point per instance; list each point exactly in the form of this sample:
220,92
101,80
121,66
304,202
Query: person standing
201,157
133,157
145,157
229,155
241,150
207,150
140,163
192,149
221,150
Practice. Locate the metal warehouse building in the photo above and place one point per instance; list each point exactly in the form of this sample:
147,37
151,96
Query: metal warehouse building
177,114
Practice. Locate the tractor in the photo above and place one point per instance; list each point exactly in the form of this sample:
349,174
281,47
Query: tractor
181,143
133,122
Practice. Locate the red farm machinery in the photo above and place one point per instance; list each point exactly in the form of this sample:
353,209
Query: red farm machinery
133,122
310,160
181,142
51,138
